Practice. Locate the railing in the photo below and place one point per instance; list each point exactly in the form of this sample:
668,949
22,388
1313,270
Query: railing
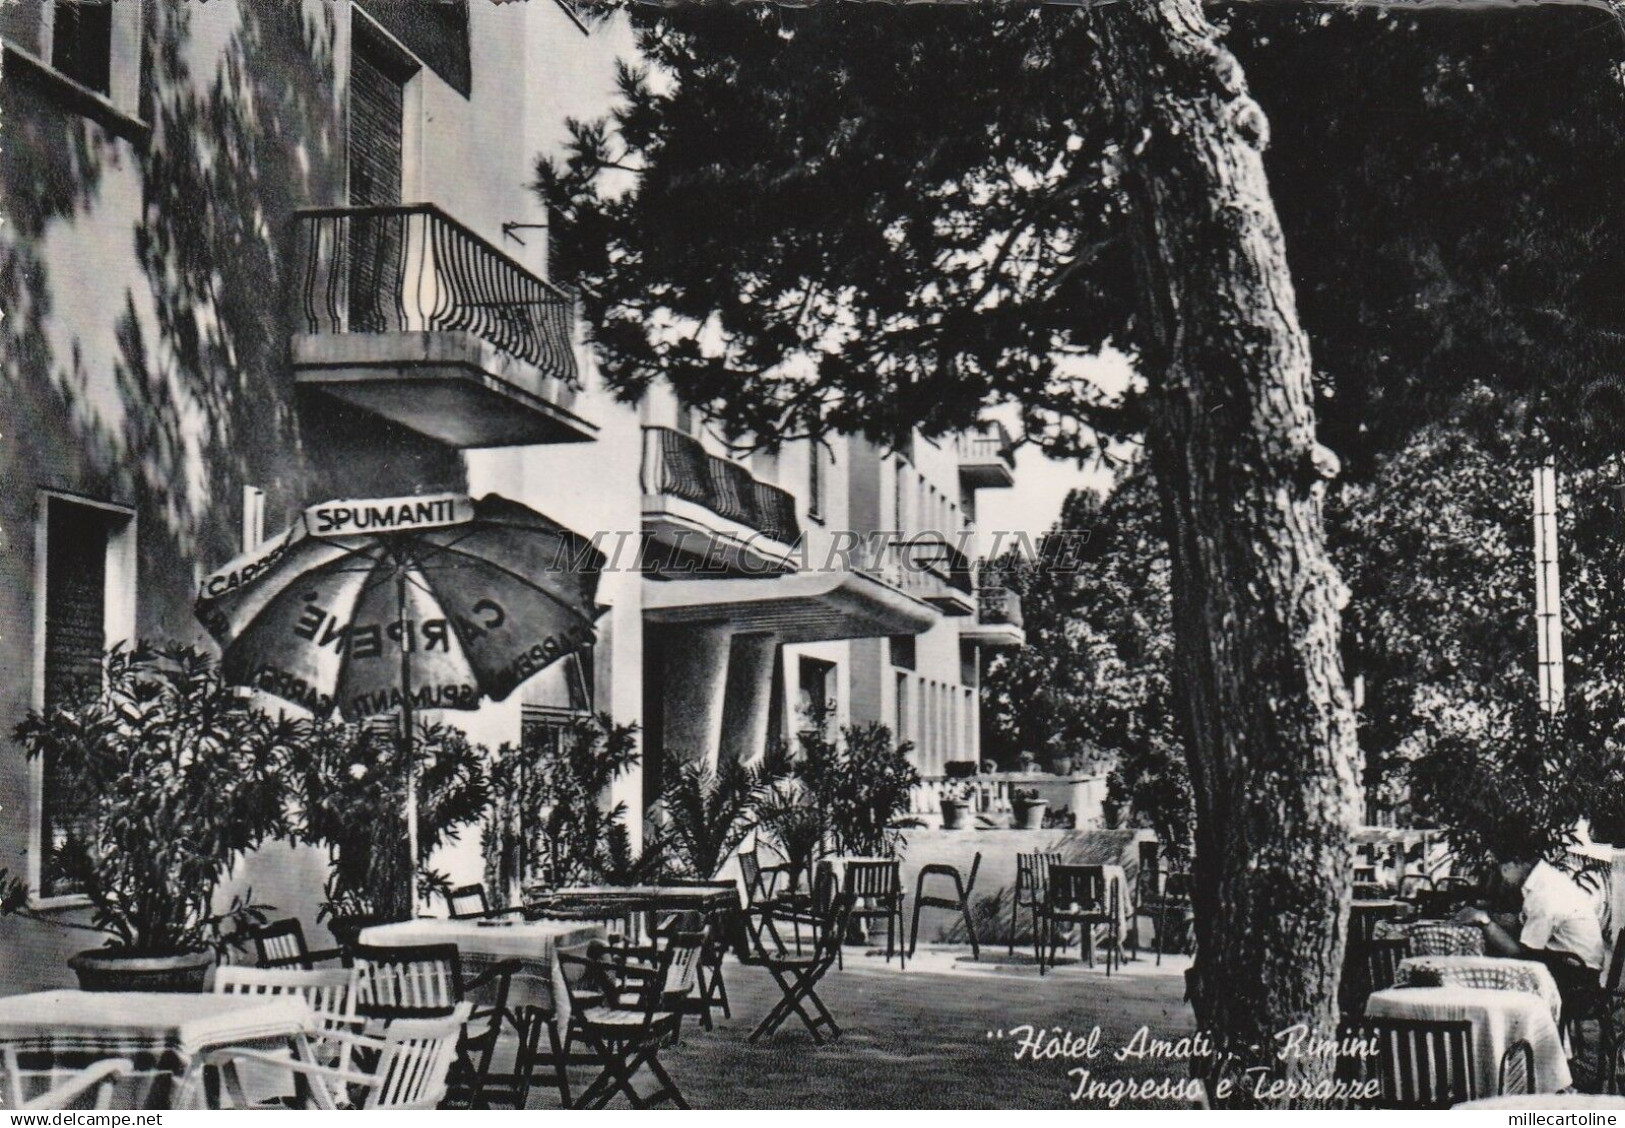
412,268
992,445
987,793
998,605
677,465
924,565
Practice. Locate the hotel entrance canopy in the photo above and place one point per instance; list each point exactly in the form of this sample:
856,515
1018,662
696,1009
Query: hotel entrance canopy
801,607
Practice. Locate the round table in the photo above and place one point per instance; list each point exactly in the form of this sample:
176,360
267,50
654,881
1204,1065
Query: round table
1499,1018
1492,972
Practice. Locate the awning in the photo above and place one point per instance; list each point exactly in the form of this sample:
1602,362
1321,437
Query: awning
802,607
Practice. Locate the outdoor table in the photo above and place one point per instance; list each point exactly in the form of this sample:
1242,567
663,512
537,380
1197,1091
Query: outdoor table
536,994
632,902
1432,937
1499,1018
1366,914
1493,972
160,1032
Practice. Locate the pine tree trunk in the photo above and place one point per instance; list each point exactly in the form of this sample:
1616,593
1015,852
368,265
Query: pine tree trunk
1267,720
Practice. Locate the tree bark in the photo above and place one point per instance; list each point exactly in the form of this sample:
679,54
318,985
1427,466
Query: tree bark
1266,715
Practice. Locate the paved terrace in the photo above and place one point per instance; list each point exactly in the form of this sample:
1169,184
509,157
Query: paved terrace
920,1038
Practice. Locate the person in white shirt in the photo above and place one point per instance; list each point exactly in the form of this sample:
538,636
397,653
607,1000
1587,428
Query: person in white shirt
1558,925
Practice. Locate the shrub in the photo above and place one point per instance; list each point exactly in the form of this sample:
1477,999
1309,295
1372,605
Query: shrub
178,776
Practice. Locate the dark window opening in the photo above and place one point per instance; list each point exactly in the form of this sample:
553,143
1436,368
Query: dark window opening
436,31
75,639
82,42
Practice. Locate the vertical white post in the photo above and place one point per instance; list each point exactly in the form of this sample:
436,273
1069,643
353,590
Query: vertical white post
1548,595
253,518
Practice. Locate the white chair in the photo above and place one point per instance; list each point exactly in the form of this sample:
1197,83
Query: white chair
413,1057
65,1093
330,993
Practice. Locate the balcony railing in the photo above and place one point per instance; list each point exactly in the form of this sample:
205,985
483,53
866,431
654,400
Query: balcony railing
998,606
412,268
677,465
926,567
992,445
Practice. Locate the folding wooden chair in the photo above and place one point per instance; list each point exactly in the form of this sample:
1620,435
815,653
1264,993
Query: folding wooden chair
408,1065
876,892
1082,896
282,944
960,900
426,981
1031,872
616,994
798,975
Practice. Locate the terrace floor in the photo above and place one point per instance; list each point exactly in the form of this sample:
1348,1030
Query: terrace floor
926,1037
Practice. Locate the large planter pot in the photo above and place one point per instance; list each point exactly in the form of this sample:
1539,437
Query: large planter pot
1061,765
108,969
955,814
1030,816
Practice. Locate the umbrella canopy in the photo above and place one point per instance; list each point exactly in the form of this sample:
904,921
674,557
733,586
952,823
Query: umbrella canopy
394,604
388,605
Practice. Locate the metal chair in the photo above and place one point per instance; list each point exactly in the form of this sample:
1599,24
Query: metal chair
282,944
1517,1070
409,1065
426,981
1165,897
1032,870
960,901
616,995
1082,896
64,1092
876,891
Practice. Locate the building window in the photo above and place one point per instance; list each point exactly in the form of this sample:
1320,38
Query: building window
81,598
902,650
815,481
816,680
900,717
436,31
253,518
82,42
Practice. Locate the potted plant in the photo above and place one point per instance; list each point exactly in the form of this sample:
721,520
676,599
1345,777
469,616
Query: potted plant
350,786
177,777
1028,808
956,807
1061,763
1029,762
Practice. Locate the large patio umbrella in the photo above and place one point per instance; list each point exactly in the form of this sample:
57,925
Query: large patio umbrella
388,605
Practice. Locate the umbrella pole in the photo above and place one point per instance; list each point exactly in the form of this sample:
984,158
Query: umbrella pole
406,739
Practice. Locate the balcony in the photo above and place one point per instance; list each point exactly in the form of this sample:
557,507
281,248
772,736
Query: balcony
923,566
998,619
986,458
705,515
404,312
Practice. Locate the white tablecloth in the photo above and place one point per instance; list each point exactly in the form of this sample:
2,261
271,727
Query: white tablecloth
1492,972
1499,1018
534,943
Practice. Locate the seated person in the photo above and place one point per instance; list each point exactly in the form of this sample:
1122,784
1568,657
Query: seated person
1558,924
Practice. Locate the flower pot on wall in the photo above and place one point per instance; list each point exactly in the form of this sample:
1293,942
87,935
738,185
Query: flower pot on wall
1061,765
1030,815
108,969
955,814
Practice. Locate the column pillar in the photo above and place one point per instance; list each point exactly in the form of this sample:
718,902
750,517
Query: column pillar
745,701
696,681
